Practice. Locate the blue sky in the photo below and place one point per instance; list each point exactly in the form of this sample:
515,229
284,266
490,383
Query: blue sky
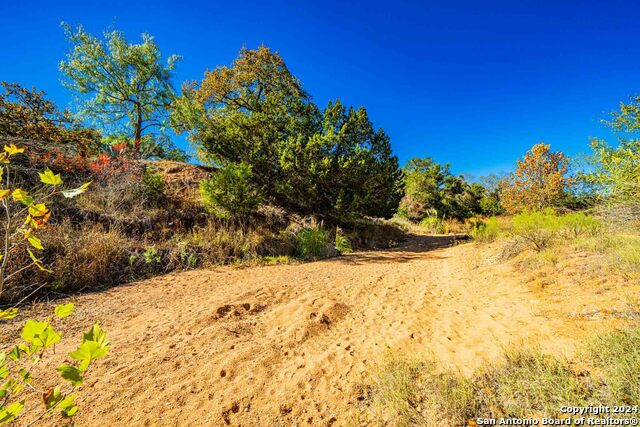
475,83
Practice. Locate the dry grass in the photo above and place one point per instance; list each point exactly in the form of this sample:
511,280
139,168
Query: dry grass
526,383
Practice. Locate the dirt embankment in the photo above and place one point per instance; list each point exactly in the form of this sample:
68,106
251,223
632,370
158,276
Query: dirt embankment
289,344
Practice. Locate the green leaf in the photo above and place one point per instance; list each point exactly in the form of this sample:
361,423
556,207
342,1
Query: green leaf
9,313
4,369
63,310
26,375
97,334
68,407
10,412
71,374
17,352
40,334
76,191
87,353
48,177
35,242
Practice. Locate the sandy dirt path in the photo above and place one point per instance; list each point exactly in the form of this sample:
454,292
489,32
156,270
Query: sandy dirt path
288,344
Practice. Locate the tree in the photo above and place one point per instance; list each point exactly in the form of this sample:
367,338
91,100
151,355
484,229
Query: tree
256,113
423,183
539,181
27,114
245,112
120,84
615,171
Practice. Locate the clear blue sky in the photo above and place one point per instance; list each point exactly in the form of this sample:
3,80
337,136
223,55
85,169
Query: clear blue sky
473,83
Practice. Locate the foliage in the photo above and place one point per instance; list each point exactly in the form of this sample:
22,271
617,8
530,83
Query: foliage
538,182
152,188
576,224
16,366
431,187
120,84
524,383
27,114
25,216
311,243
433,224
342,242
231,192
486,231
539,228
256,113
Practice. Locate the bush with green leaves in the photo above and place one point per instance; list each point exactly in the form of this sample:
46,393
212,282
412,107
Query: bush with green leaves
152,189
486,231
342,242
434,224
231,192
577,224
311,243
538,228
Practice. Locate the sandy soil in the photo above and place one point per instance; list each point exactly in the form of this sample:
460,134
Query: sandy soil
289,344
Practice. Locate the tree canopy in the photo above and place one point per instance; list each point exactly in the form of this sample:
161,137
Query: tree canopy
256,113
26,113
123,87
539,181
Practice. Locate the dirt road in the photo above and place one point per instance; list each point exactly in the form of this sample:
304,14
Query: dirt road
288,344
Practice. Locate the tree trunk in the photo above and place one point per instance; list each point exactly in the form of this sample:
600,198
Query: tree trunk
137,142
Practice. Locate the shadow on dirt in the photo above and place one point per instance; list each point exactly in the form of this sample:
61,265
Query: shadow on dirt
412,248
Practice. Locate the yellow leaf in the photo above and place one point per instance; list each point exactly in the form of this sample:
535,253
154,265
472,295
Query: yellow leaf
4,193
19,195
38,210
35,242
48,177
12,149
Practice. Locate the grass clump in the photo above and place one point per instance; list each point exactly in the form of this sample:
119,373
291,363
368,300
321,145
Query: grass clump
526,383
311,243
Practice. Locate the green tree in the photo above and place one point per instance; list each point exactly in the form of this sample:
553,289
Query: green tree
257,113
246,112
615,171
120,84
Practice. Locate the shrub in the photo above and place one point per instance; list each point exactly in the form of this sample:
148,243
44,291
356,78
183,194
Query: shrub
486,231
230,192
342,242
538,228
433,224
311,243
152,188
576,224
